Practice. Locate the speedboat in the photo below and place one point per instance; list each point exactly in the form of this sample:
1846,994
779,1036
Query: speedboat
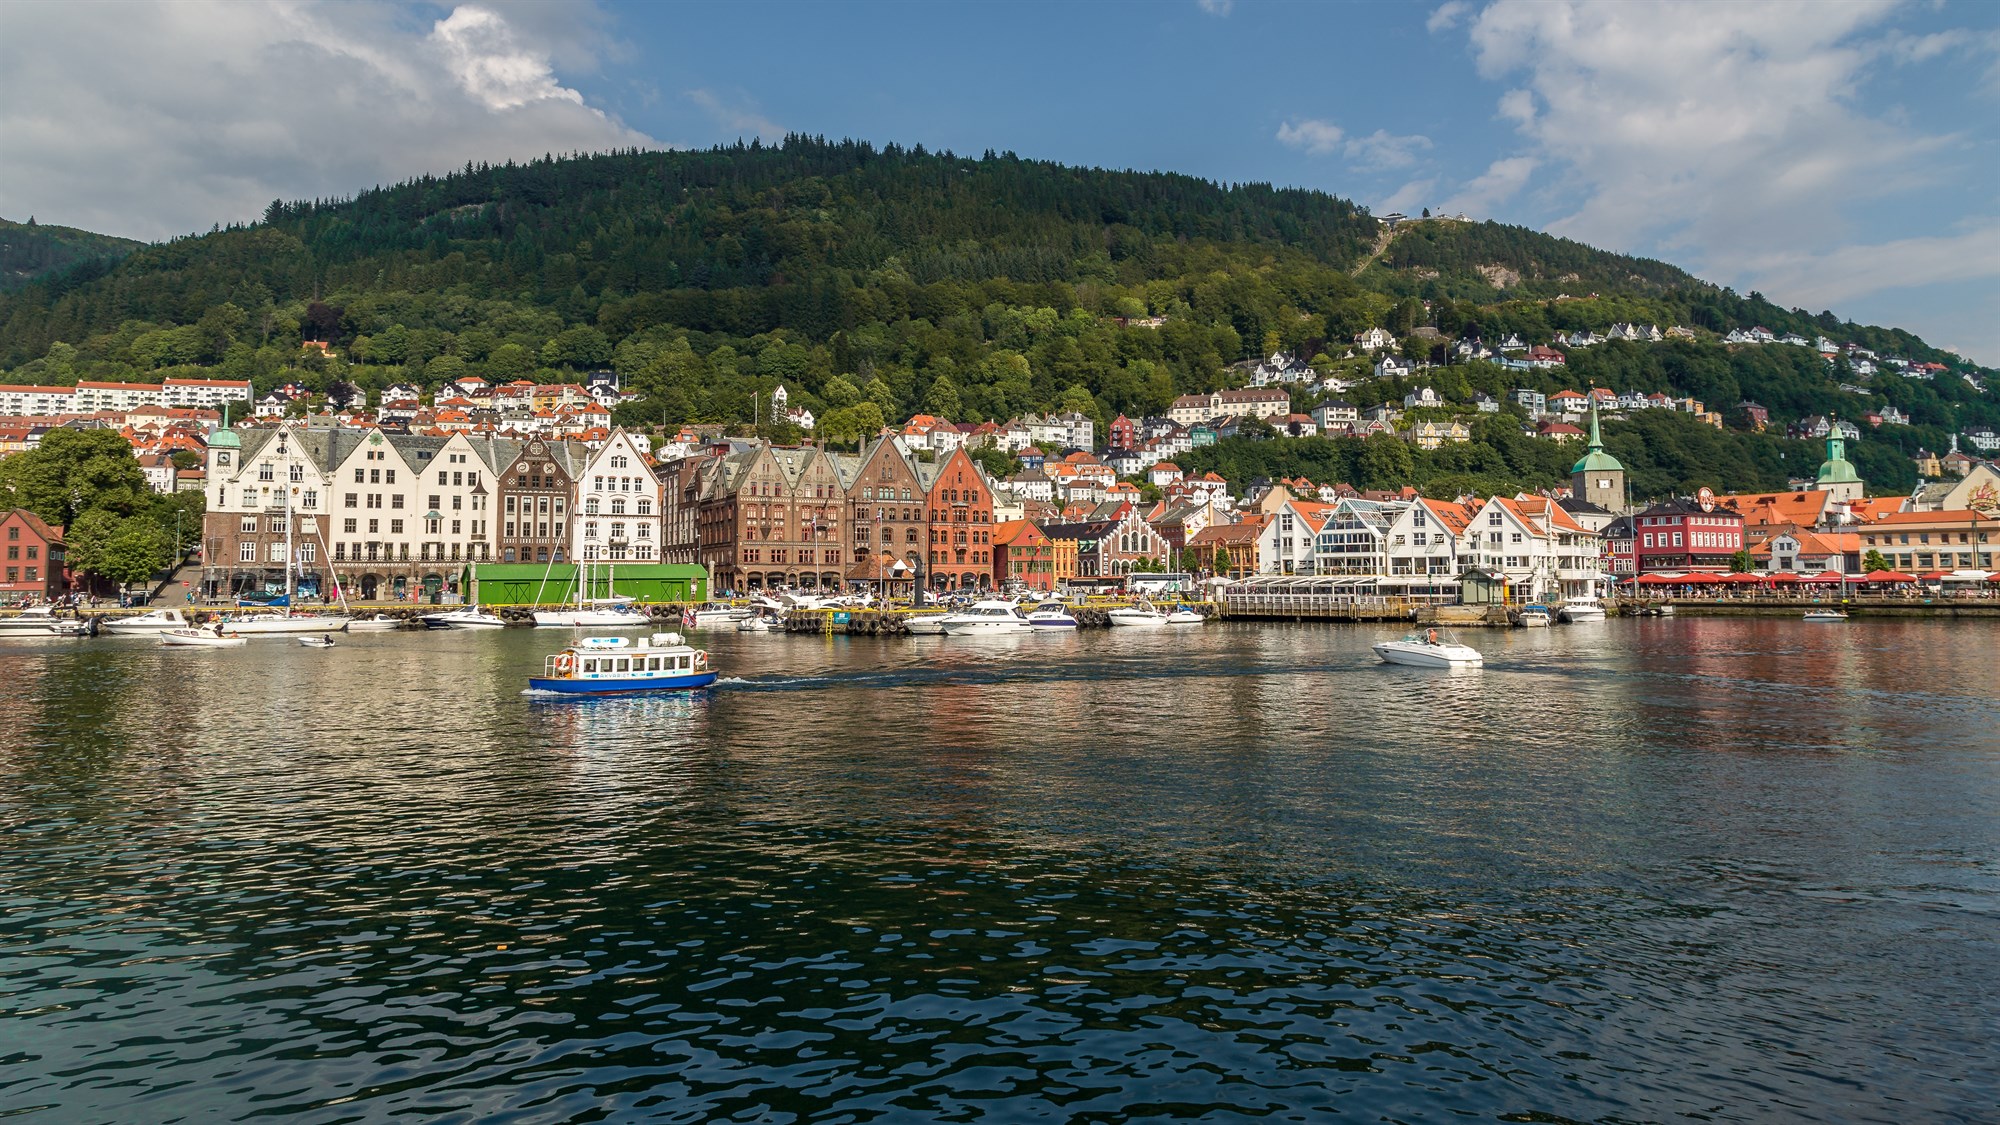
757,623
255,624
154,621
201,638
1429,649
1051,615
1536,617
380,623
1825,615
925,624
1141,614
464,617
1182,615
74,628
316,642
616,666
602,614
31,622
1583,609
986,617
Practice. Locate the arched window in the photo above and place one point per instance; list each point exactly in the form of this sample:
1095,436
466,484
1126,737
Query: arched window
590,506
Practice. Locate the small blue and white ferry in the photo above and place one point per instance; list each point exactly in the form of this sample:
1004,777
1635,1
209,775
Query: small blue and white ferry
616,666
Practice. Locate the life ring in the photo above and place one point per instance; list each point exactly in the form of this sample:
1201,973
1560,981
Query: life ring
565,664
701,658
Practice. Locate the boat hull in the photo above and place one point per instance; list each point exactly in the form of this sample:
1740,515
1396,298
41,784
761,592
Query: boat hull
204,640
629,686
1578,613
984,628
374,625
278,625
134,627
924,627
1826,617
1137,620
589,619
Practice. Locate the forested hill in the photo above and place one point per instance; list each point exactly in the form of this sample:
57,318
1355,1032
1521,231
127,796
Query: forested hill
879,281
31,250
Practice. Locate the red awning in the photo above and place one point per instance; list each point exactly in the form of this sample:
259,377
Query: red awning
1785,577
1697,578
1827,577
1742,579
1888,576
1934,576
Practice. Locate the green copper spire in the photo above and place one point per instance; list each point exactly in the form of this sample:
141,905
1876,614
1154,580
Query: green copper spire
222,437
1595,460
1837,469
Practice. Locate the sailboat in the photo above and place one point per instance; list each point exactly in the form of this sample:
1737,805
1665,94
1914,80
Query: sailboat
613,612
285,621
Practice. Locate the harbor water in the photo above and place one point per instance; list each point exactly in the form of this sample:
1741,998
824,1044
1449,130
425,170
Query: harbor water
1656,870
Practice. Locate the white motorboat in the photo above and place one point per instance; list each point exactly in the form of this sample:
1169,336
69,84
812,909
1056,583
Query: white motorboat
1052,615
380,623
1182,615
316,642
1141,614
757,623
1825,615
1429,649
1537,617
201,638
33,621
261,624
603,613
464,617
715,615
986,617
155,621
72,629
1583,609
925,624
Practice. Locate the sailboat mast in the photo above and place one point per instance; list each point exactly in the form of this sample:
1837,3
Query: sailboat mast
288,486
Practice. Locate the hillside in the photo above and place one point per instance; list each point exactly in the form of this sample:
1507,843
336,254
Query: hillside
31,250
876,282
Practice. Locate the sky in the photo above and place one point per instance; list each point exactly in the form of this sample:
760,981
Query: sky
1828,154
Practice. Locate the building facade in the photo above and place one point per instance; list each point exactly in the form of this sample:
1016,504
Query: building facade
34,566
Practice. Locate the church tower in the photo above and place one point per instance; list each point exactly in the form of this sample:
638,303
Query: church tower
1837,475
1598,478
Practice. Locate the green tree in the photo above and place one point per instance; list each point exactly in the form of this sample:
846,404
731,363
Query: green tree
942,399
1875,560
852,424
1741,562
73,472
122,549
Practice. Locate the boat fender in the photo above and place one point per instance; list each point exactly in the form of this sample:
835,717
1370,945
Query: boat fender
565,664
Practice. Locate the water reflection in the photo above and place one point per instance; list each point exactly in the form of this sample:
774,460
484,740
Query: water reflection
1127,875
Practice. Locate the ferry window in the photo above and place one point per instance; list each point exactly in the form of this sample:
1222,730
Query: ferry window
624,664
590,665
653,664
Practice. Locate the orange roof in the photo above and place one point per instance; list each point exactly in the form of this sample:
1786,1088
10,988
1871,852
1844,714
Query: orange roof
33,390
1455,517
1802,508
1958,516
1866,510
1018,533
1221,534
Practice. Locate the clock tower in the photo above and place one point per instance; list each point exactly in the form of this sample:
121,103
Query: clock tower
1598,478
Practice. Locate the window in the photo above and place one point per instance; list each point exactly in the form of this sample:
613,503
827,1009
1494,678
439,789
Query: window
347,526
395,527
310,499
360,475
249,525
352,501
246,552
396,500
374,526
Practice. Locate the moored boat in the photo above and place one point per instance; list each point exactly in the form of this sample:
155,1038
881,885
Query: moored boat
986,617
1141,614
1429,649
617,666
464,617
380,623
604,613
1825,615
1536,617
1583,609
925,624
1182,615
1052,615
714,615
153,621
321,641
34,621
259,624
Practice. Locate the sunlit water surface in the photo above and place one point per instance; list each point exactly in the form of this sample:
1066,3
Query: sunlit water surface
1637,871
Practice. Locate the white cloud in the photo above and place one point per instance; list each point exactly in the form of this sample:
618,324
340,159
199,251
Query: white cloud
1725,129
1447,16
1502,180
1216,7
1822,280
1410,197
733,115
1318,138
202,111
1381,150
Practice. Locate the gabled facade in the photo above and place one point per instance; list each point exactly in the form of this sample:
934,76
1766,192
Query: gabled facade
534,514
959,504
33,567
1536,547
615,515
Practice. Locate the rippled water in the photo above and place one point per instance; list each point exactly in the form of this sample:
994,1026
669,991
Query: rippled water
1638,871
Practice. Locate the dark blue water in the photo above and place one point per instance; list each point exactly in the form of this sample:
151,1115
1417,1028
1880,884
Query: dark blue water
1639,871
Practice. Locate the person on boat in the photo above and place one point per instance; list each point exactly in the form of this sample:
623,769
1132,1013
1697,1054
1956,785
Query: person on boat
326,638
1431,637
216,625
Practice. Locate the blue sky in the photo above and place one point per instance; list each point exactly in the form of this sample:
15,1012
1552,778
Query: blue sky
1837,155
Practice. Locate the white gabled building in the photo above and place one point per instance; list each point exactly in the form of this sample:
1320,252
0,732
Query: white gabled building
1541,550
617,507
